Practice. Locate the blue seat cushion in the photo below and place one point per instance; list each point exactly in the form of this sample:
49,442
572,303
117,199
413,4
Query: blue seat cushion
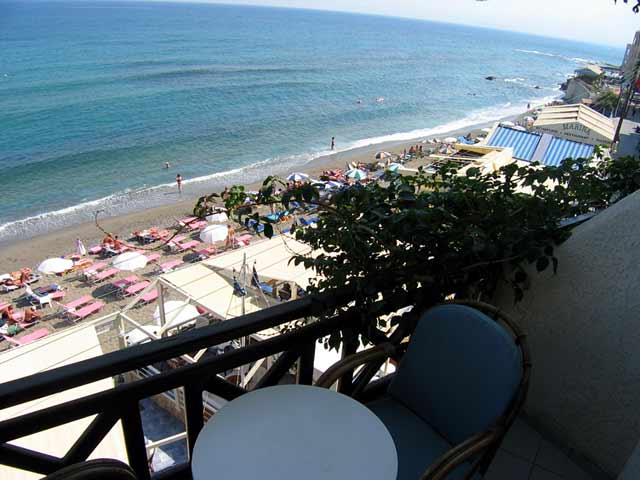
460,372
417,444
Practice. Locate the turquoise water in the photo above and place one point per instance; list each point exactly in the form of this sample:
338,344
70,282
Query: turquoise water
95,97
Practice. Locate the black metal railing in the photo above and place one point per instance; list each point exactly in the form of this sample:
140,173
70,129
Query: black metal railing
121,403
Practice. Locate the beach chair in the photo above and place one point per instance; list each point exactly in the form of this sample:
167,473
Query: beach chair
243,240
154,257
91,271
206,253
26,339
173,244
170,266
135,288
187,246
185,221
103,275
95,250
148,297
75,304
123,283
85,311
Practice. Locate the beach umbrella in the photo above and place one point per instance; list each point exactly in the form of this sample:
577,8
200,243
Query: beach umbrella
507,124
176,313
486,130
136,336
219,217
331,184
357,174
214,233
55,265
520,127
130,261
383,155
529,119
450,140
297,177
394,167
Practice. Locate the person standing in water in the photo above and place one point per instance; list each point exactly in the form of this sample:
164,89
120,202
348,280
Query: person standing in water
179,182
167,165
333,143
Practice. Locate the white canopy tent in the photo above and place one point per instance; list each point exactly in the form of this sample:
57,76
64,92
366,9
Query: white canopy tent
214,233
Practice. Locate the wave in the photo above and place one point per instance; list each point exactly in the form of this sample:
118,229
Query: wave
556,55
164,194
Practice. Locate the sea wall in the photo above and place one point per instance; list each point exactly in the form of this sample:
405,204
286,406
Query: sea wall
583,325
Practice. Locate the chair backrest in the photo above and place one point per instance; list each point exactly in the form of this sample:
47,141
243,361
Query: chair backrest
100,469
460,372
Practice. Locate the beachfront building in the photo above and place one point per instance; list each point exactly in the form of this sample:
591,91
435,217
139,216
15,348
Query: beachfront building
589,72
535,147
577,122
631,58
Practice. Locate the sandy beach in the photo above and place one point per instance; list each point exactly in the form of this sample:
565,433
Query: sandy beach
29,252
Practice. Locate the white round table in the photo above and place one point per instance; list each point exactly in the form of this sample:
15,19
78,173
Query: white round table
294,432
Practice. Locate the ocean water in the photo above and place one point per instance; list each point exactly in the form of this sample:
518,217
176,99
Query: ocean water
96,96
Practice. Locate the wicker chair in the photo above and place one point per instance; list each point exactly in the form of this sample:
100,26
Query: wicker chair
99,469
457,390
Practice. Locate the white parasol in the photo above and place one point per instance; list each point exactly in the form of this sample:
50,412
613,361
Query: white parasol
214,233
55,265
176,313
136,336
130,261
219,217
450,140
383,155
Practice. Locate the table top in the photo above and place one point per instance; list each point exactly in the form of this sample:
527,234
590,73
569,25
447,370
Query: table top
294,432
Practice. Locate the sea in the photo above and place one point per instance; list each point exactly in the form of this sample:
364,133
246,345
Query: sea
96,96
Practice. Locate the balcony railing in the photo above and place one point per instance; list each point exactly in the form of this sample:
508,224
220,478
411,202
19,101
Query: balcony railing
296,346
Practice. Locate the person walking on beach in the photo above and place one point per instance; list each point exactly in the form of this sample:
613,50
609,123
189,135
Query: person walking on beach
179,182
333,143
80,248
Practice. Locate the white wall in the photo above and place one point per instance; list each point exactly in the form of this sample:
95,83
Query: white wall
583,326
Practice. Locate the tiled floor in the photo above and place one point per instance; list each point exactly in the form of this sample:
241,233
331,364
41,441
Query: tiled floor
525,455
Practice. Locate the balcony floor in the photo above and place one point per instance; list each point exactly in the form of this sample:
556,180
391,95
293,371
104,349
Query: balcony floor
527,455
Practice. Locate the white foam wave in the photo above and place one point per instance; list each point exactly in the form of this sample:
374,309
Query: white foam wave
138,199
514,80
556,55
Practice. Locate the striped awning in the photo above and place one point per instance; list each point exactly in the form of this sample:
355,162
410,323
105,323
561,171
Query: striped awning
523,143
560,149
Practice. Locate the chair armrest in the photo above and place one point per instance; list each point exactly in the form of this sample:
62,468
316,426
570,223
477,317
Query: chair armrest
461,453
346,365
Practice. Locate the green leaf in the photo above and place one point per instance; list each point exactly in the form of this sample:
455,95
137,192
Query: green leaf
268,230
542,263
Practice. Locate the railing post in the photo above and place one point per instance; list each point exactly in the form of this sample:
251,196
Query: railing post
193,413
349,347
134,440
305,364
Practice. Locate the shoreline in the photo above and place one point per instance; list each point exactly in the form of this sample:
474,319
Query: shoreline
19,253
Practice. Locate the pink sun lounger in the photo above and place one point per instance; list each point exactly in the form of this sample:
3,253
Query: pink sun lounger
29,338
104,275
84,312
71,306
185,221
136,288
95,250
149,297
125,282
154,257
95,268
206,252
189,245
170,266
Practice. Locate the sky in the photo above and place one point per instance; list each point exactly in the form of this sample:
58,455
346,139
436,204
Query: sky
593,21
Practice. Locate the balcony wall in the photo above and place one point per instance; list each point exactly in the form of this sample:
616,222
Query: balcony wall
583,325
